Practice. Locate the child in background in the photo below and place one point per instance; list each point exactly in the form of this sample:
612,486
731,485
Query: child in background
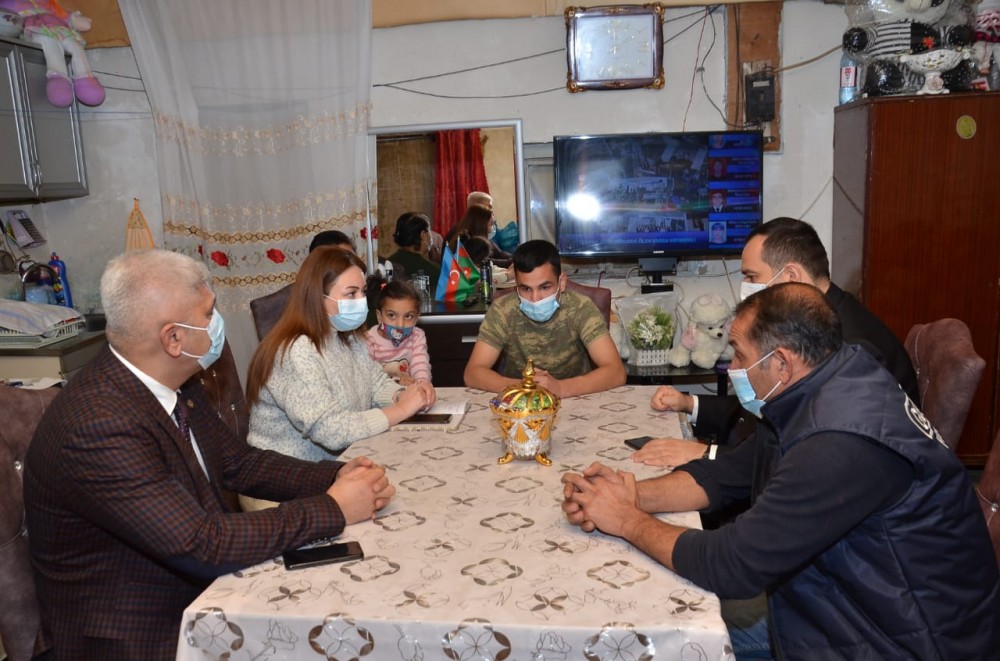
479,249
394,341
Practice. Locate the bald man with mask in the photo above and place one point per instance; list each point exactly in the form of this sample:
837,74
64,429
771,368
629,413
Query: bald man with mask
781,250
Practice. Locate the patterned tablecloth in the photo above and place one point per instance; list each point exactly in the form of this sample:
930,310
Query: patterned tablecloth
474,560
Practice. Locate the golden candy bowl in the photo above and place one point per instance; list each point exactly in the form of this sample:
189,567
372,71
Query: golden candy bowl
526,413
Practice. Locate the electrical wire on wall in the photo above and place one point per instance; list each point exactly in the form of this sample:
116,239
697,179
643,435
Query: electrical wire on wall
703,17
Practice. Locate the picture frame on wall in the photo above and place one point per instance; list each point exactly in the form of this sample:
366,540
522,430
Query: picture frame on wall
614,47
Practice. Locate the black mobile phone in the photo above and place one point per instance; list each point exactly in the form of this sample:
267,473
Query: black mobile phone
637,442
428,419
322,555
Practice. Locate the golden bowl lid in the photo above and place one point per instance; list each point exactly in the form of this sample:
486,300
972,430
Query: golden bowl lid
528,396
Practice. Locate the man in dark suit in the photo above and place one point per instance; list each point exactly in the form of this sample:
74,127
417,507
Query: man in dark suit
781,250
123,480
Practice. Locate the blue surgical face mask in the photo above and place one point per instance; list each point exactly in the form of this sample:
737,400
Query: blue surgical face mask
216,330
493,231
540,311
744,389
352,313
397,334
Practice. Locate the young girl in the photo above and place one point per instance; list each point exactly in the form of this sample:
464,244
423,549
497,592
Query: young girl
395,342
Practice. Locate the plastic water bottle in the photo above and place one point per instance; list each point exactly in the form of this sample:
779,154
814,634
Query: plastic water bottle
61,287
849,87
486,280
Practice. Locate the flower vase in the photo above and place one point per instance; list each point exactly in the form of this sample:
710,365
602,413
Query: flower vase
646,357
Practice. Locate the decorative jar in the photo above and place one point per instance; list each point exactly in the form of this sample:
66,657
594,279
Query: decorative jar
526,413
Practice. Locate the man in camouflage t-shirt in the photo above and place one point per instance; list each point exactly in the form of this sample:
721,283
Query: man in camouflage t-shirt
562,331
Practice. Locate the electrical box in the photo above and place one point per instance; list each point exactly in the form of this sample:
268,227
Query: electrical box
759,97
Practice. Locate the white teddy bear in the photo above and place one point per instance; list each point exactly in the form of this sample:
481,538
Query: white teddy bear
705,340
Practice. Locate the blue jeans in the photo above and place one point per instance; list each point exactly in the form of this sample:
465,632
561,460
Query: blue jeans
746,620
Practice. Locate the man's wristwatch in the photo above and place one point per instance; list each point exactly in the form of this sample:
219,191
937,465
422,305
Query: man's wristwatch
710,451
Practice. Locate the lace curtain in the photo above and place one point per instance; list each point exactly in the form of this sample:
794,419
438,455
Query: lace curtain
260,112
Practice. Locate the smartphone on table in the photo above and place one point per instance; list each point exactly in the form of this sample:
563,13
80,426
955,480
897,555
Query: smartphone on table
322,555
637,442
427,419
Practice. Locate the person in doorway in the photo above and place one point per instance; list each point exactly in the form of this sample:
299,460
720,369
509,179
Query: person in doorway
413,236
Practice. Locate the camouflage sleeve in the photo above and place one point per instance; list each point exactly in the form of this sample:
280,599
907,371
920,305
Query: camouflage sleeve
591,323
495,328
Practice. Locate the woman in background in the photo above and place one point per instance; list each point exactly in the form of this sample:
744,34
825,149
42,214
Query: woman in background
413,236
312,387
478,221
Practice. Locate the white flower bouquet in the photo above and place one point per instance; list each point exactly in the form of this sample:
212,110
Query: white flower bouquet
649,322
652,329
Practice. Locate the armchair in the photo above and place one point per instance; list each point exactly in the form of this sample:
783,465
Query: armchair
948,373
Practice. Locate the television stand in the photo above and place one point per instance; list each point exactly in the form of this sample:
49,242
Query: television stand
655,268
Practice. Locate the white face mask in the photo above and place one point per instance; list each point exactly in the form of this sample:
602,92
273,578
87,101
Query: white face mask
748,289
216,330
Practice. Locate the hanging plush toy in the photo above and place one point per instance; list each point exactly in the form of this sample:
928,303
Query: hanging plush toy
58,33
881,31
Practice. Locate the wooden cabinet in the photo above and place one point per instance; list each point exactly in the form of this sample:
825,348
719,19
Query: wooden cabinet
61,360
41,144
916,226
450,338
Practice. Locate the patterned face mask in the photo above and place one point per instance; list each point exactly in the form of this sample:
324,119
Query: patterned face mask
397,334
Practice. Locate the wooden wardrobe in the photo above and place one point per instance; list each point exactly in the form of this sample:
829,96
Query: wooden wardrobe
916,224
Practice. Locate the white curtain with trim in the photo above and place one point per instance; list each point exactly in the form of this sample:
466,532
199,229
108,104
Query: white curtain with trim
261,114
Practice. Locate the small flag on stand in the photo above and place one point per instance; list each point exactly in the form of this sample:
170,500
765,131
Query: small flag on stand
459,275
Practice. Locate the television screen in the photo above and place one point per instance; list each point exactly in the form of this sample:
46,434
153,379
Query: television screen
648,194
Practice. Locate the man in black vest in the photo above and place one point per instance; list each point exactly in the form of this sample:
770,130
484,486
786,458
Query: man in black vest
781,250
864,531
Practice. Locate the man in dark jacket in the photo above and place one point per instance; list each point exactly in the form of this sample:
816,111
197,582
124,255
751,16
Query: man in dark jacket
124,479
781,250
864,530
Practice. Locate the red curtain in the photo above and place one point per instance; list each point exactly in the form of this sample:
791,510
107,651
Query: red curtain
459,171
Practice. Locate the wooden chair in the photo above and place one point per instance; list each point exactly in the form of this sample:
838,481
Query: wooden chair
948,373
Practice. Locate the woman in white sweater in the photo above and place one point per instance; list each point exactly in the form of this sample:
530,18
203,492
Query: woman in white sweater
312,387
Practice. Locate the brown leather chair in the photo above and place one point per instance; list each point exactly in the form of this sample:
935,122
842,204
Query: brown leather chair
20,627
222,383
948,373
988,491
266,310
601,296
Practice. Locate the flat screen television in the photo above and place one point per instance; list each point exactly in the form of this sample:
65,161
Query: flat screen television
657,194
